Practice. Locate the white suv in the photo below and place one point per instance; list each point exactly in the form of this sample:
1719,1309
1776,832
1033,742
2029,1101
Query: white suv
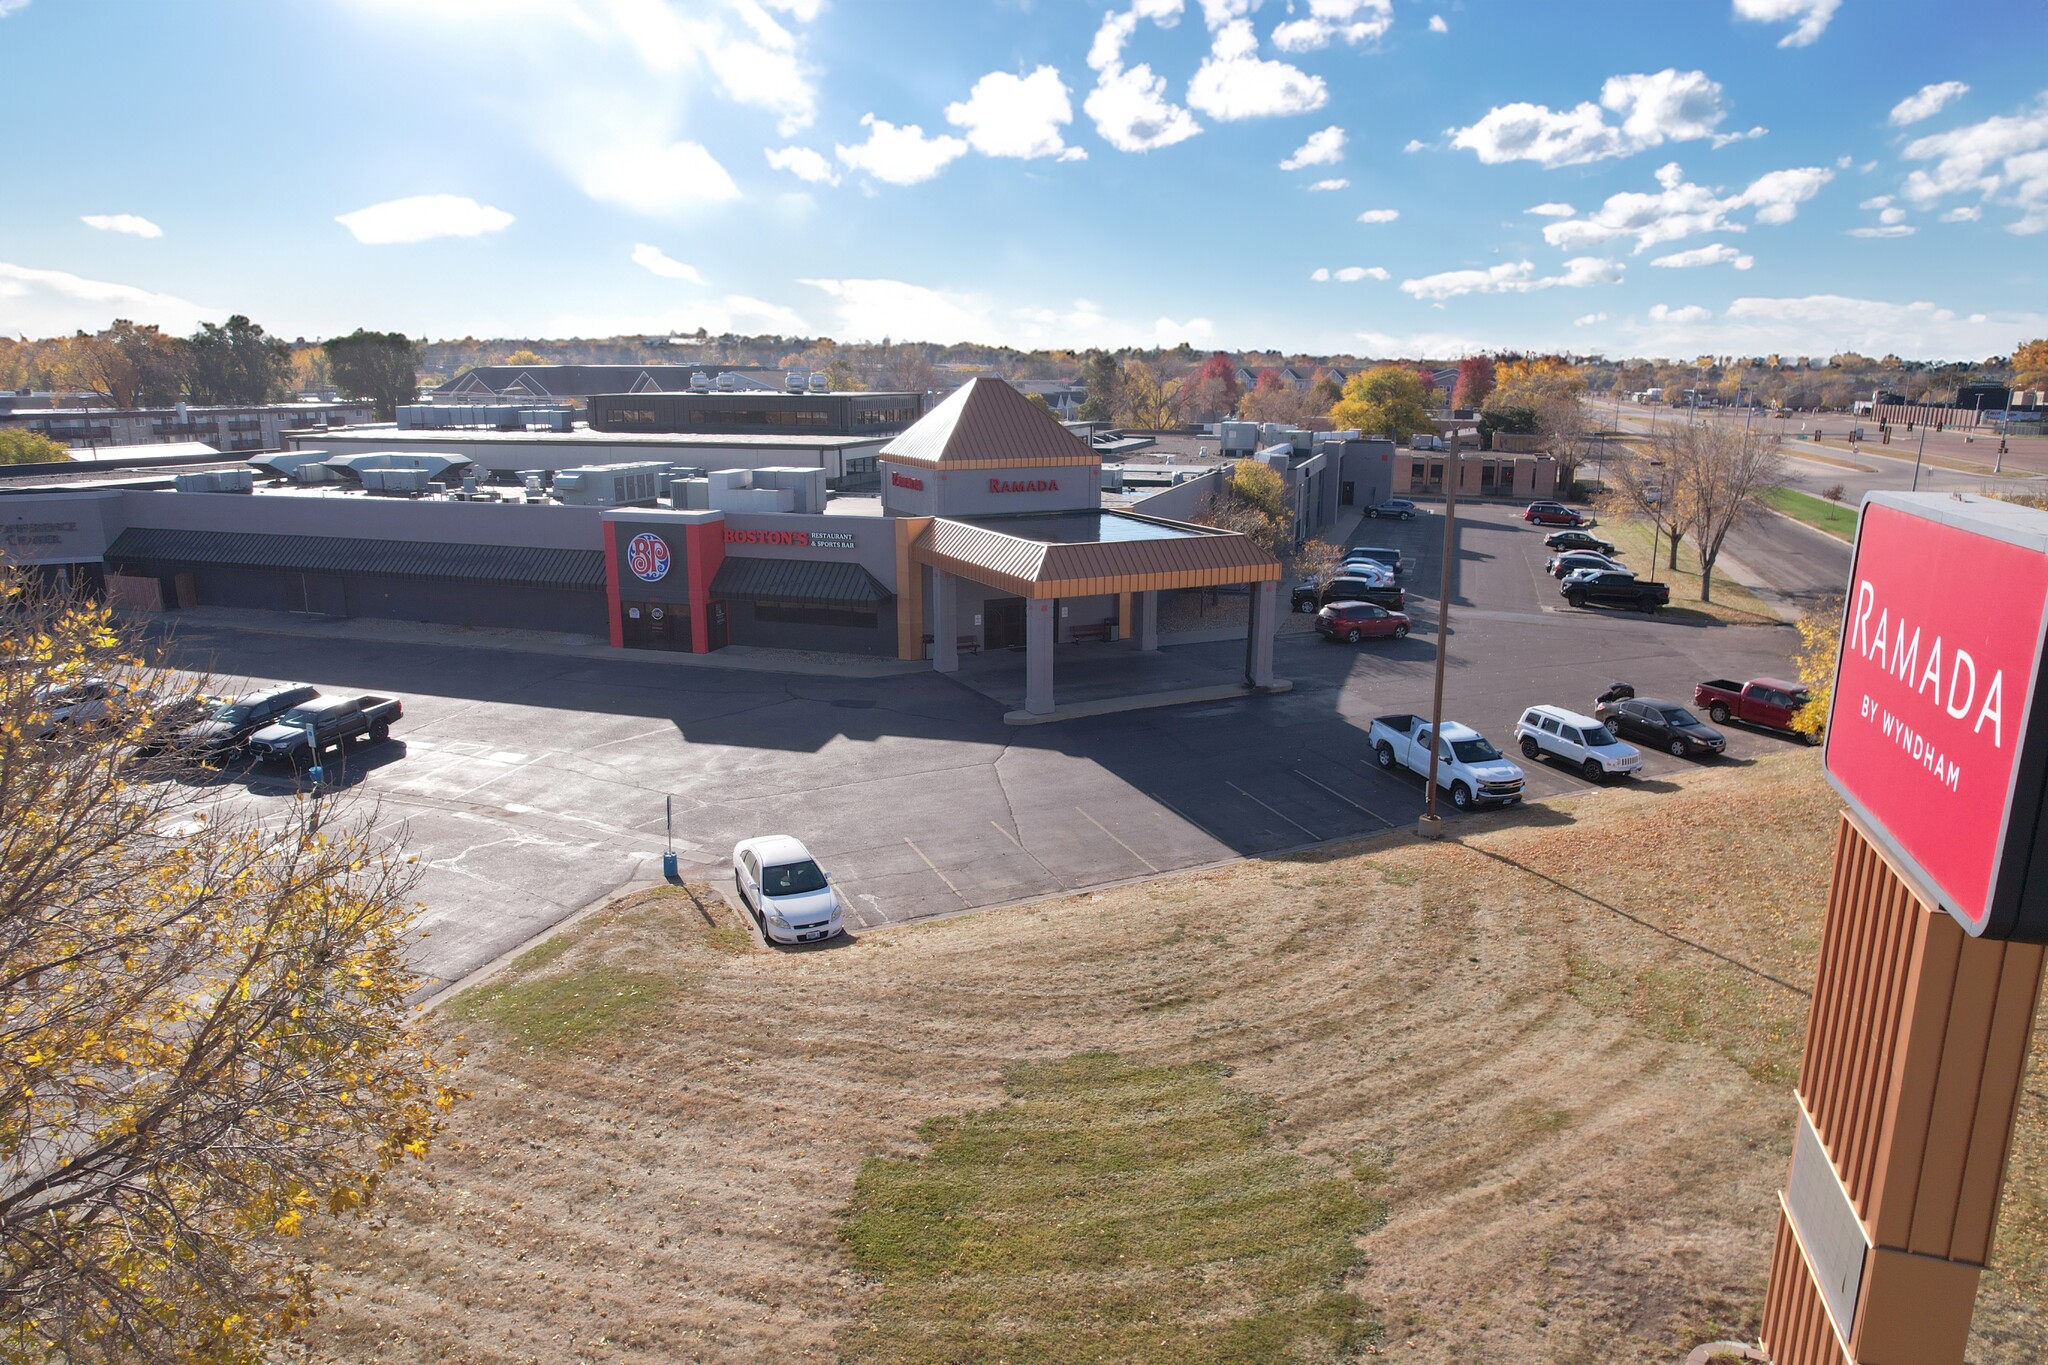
1579,740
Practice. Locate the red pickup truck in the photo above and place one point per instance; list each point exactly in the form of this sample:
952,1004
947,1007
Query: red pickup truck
1771,703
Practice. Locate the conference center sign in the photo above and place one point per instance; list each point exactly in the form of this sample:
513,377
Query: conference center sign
1936,735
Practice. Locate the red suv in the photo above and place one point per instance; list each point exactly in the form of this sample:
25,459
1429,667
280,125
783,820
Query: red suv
1353,621
1554,514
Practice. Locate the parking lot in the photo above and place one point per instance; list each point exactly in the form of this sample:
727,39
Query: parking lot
533,783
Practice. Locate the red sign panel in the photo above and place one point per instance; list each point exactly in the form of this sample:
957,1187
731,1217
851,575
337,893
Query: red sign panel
905,481
1932,732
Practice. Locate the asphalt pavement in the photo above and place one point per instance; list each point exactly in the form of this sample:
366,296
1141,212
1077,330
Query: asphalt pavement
532,784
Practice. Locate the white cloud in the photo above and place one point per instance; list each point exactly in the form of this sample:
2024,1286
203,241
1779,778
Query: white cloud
1691,313
8,7
1551,210
1831,322
55,302
1129,106
1414,144
1926,102
1234,82
732,313
1350,274
1354,21
1379,215
1588,319
1891,216
659,262
1720,253
1017,116
1437,24
1419,344
423,217
1513,277
1893,230
803,163
2002,160
654,179
1331,185
1321,274
1875,201
900,155
1968,213
1813,16
1325,148
869,309
1720,140
1682,209
1667,106
618,81
122,222
1132,113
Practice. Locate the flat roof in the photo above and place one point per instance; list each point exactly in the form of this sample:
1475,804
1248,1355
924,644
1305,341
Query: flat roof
1080,528
381,433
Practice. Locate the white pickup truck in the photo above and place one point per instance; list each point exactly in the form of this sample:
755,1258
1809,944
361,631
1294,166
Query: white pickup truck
1468,766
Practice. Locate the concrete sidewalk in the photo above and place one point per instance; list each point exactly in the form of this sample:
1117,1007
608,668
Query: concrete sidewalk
739,658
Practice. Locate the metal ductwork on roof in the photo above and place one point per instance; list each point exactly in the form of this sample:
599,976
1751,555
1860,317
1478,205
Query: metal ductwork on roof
437,467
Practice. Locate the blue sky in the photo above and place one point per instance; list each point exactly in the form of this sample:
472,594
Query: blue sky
1311,175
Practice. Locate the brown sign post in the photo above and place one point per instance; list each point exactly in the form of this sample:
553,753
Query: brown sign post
1931,959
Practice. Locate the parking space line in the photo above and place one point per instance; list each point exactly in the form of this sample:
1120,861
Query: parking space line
1282,814
1211,834
1006,834
1345,799
1119,843
935,871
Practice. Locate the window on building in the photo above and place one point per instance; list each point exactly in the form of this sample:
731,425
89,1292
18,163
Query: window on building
815,616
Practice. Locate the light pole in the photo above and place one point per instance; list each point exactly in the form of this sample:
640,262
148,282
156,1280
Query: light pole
1916,458
1431,825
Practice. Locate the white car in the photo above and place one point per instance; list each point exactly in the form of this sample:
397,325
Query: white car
1370,569
785,890
1585,743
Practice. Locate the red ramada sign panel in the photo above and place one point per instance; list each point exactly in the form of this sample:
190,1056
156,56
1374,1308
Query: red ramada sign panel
1933,732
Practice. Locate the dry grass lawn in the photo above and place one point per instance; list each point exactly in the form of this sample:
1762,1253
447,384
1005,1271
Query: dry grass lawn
1521,1098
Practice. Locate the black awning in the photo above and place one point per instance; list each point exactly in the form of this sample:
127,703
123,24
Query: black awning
798,583
522,564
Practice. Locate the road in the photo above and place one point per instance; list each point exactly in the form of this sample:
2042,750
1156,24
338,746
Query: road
532,784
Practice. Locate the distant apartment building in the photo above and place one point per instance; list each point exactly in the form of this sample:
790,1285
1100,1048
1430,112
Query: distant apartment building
228,428
578,384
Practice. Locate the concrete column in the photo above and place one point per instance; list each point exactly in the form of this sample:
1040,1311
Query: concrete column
945,621
1264,623
1039,630
1148,622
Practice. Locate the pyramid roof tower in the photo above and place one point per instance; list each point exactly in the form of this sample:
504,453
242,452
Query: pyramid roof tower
987,423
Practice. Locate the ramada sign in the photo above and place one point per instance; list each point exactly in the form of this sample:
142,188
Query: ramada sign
1023,485
1934,736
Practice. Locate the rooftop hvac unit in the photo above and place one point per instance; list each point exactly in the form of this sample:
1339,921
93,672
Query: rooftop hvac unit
611,485
796,381
1112,478
216,481
700,382
727,382
400,481
820,383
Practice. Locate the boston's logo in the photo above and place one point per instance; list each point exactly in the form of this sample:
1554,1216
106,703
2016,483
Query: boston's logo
647,556
1023,485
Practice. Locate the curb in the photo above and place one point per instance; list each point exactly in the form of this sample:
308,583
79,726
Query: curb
1145,702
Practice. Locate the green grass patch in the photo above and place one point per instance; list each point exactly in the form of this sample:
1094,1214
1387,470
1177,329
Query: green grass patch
569,1009
1109,1211
1641,546
1832,517
1759,1028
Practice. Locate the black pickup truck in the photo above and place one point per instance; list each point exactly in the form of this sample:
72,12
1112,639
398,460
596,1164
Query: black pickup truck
1607,588
333,721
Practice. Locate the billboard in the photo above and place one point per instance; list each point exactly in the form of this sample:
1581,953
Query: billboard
1934,735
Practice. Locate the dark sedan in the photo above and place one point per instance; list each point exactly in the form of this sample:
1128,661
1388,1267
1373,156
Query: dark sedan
1665,724
1560,565
1578,540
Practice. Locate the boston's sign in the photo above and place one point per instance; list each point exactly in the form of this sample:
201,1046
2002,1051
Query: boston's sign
1934,734
1023,485
812,540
